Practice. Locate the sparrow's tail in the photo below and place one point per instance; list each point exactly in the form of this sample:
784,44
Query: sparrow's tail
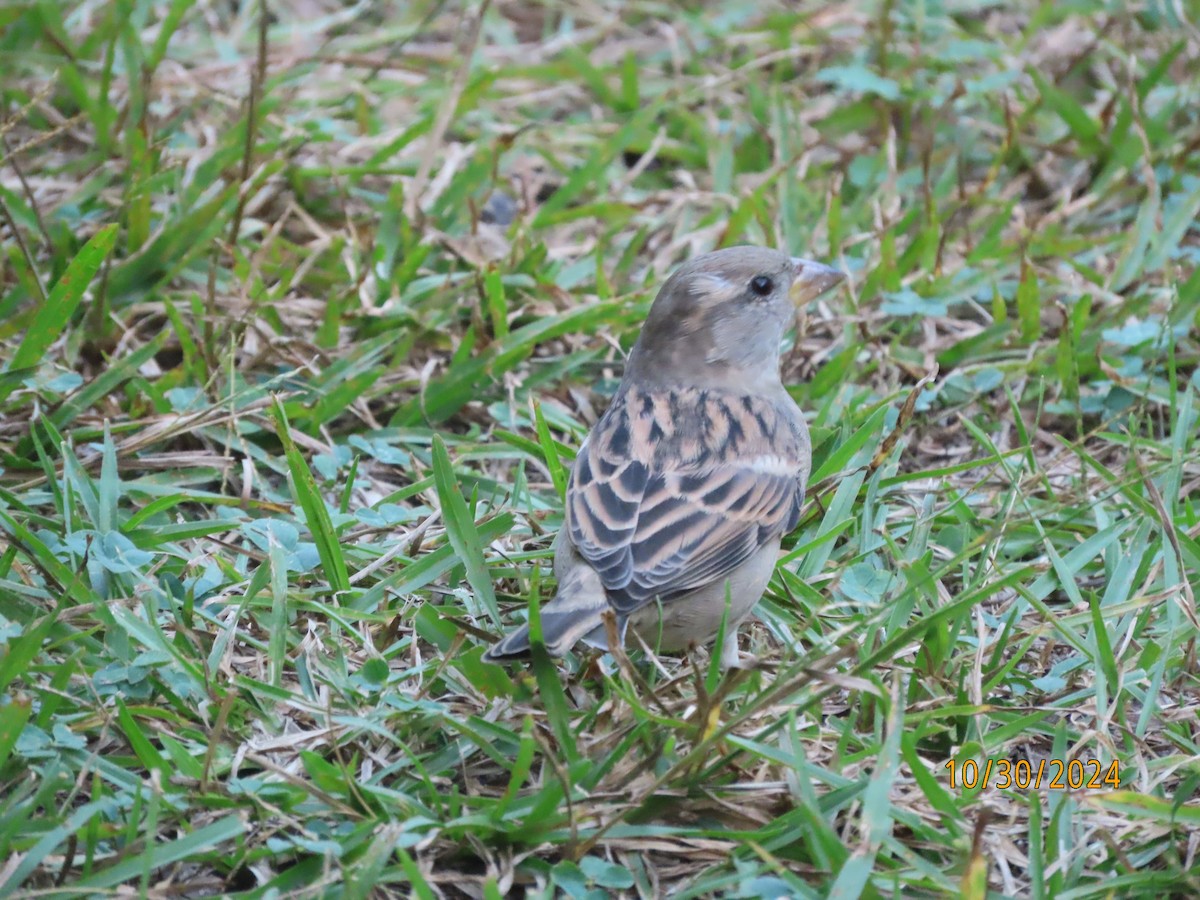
576,612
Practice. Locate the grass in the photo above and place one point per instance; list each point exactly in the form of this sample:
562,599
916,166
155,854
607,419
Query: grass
287,405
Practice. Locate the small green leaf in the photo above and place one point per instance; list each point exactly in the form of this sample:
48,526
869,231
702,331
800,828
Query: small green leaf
860,79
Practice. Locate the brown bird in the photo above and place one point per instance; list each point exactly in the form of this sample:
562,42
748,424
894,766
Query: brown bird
682,492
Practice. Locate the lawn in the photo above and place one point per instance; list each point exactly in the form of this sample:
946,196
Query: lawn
305,308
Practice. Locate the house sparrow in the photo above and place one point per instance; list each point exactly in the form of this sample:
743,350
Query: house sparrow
683,490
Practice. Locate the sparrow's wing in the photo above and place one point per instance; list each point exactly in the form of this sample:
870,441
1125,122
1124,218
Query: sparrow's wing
675,489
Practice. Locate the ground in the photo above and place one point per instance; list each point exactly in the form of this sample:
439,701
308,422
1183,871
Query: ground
304,311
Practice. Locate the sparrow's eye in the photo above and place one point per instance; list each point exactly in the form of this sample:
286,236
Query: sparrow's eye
761,285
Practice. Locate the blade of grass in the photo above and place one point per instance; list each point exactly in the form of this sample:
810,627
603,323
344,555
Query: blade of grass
51,318
462,531
312,504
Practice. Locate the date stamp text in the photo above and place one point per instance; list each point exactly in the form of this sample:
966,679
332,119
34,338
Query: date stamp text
1024,775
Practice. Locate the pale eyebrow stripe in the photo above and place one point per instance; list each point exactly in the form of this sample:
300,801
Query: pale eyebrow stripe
708,282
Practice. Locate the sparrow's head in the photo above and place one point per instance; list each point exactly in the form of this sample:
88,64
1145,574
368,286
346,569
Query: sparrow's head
720,317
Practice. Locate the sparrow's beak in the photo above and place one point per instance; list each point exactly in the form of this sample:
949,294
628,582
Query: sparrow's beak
813,279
